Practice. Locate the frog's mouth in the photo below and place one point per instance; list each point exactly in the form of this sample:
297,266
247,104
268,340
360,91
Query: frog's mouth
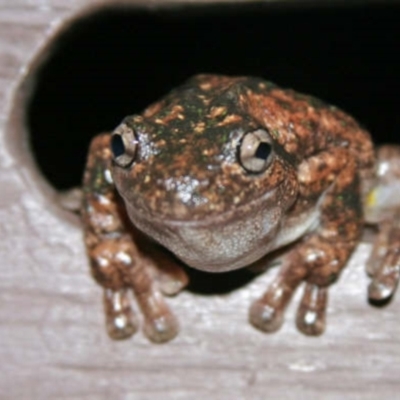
221,242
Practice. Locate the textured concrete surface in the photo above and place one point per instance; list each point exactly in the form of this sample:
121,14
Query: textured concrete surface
52,339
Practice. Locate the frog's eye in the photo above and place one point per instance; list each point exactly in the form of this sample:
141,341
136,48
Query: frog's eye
255,151
123,145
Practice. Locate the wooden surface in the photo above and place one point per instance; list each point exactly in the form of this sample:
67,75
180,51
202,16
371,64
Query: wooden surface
52,340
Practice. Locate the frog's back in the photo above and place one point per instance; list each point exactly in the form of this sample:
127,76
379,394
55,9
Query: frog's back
302,124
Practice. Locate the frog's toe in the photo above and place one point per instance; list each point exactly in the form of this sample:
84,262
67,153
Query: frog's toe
121,325
267,313
160,324
172,279
311,313
161,329
384,262
121,322
385,281
265,317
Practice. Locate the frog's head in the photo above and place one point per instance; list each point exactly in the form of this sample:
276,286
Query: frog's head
201,176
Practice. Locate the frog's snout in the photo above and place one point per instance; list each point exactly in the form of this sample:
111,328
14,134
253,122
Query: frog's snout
186,190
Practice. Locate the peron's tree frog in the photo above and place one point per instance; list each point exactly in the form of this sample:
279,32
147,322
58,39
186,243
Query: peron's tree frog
221,172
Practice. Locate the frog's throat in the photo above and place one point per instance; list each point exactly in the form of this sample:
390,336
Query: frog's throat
221,242
212,219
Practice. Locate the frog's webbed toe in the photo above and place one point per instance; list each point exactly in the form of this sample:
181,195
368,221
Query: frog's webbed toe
266,317
384,262
121,322
267,313
312,309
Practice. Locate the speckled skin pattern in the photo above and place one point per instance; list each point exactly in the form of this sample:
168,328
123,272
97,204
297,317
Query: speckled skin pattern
188,175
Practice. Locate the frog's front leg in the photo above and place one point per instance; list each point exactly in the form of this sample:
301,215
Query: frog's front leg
384,263
382,207
319,257
116,262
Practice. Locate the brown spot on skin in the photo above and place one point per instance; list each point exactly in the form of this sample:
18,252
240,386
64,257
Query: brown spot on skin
161,143
176,112
230,119
199,128
217,112
153,109
205,86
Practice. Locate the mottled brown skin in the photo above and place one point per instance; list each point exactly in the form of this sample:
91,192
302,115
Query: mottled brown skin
116,263
188,189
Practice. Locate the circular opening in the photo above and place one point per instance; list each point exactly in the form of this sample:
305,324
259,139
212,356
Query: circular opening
116,62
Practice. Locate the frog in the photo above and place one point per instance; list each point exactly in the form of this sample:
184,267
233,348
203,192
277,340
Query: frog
222,172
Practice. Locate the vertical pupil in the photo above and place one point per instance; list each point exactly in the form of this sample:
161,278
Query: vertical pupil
263,151
117,146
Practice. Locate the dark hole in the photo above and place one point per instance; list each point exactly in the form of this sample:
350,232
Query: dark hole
263,151
117,62
117,146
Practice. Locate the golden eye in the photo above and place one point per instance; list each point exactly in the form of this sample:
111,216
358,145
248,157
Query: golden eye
255,151
124,145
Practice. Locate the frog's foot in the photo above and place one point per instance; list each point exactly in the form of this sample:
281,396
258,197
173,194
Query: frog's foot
118,267
311,312
384,262
318,269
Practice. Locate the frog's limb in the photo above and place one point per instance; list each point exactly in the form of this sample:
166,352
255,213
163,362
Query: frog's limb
382,207
116,263
384,262
311,312
379,248
320,256
120,319
267,312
